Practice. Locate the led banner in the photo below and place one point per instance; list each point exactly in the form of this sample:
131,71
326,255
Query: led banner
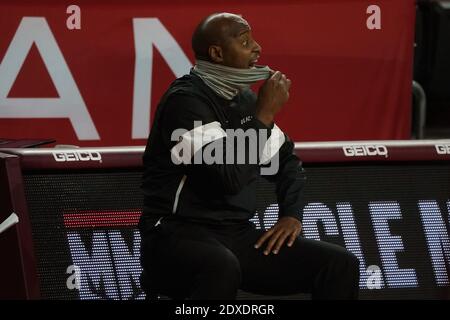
394,215
399,231
92,73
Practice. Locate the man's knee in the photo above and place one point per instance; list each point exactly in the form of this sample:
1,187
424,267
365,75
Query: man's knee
348,262
353,260
224,264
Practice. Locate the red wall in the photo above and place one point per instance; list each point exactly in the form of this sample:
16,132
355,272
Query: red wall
349,82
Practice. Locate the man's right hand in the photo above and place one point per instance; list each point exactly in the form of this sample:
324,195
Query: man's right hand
273,94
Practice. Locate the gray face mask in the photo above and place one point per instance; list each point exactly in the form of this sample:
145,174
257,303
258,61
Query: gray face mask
228,81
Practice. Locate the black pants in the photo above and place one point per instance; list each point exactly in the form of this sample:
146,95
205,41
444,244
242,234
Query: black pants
191,260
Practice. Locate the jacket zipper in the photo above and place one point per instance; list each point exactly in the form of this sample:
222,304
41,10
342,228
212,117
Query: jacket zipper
177,194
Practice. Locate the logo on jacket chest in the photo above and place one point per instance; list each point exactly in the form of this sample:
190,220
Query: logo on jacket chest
246,119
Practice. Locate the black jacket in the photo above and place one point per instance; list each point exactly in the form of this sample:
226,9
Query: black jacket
219,192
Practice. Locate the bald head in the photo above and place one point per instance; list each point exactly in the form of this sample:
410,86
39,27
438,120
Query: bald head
216,30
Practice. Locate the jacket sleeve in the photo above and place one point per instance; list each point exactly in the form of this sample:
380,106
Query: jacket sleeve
290,181
190,128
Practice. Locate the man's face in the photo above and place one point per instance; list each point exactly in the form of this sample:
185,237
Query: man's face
240,50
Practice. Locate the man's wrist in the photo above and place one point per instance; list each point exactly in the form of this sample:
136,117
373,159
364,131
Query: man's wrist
294,216
267,119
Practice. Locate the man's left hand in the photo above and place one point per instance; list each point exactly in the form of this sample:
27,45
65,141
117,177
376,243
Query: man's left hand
286,228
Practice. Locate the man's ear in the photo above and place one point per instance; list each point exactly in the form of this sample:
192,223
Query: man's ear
216,54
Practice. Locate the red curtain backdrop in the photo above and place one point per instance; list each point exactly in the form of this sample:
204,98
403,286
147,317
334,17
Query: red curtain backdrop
349,82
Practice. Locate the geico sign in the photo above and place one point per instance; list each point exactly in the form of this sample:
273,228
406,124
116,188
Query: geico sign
63,156
364,151
443,148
